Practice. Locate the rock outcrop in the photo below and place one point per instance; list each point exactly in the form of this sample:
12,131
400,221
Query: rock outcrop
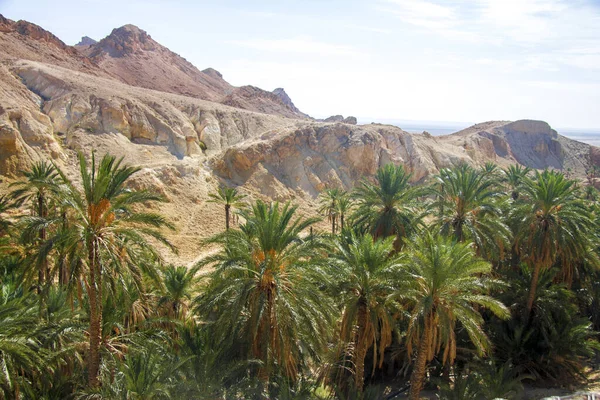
308,159
256,99
85,42
71,103
527,142
334,118
340,118
304,161
285,99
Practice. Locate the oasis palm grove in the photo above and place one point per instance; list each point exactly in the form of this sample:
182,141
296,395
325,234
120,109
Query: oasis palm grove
472,284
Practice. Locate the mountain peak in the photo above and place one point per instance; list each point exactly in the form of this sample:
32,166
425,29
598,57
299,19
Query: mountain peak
285,99
125,40
213,72
86,41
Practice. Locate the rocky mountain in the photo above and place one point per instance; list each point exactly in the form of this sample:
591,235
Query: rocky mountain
130,55
55,101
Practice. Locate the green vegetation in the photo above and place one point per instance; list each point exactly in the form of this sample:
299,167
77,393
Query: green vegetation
472,284
230,199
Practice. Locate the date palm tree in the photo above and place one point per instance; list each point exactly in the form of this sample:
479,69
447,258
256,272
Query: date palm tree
514,177
445,284
470,209
366,274
329,205
344,205
179,284
554,224
490,171
230,198
389,207
38,188
20,350
264,295
590,193
109,236
5,205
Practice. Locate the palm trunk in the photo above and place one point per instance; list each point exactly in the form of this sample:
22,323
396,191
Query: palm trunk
95,332
341,222
43,268
417,378
227,210
458,232
333,224
62,268
442,203
533,288
361,348
263,354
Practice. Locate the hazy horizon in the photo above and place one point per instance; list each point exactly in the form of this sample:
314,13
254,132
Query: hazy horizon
442,60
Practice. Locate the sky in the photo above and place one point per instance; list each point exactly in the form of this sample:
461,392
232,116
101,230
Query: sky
379,60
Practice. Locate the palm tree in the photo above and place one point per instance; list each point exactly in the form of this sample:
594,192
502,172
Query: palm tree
388,208
20,351
515,176
490,171
364,271
470,208
179,283
344,205
150,373
38,188
264,295
230,198
590,193
109,237
554,224
5,205
328,205
445,284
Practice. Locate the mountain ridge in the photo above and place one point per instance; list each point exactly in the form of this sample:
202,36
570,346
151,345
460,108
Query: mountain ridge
130,55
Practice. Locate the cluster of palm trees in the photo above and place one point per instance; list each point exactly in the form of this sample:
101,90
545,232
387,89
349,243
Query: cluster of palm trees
469,284
473,261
